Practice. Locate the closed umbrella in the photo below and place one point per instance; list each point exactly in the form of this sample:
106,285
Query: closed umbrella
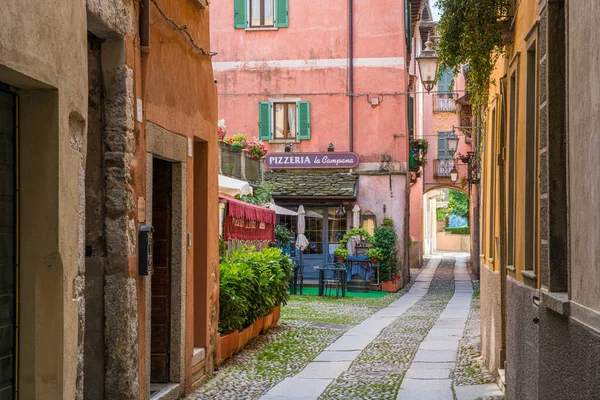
356,217
301,241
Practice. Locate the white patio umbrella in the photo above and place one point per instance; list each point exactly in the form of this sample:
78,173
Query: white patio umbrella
356,216
301,241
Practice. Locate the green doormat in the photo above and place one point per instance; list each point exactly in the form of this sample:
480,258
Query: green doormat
373,294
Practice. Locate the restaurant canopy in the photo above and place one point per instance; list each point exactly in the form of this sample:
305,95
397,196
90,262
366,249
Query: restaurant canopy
233,187
245,221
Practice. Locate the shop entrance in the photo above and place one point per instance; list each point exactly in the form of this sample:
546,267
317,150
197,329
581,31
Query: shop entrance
325,226
161,278
8,243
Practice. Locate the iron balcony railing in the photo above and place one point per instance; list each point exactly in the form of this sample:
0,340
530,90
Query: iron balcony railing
443,166
444,102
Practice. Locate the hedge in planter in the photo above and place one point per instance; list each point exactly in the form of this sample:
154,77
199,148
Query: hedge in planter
252,284
385,240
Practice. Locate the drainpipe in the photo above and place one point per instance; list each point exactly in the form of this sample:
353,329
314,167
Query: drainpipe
350,77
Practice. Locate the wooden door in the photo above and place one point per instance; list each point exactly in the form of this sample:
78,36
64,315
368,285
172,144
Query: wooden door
8,240
161,278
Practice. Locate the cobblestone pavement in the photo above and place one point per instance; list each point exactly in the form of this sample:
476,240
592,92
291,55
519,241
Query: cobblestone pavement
309,325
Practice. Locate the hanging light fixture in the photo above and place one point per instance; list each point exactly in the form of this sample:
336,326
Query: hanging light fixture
452,144
454,174
428,65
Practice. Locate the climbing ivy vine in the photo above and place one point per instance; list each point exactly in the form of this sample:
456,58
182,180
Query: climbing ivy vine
473,33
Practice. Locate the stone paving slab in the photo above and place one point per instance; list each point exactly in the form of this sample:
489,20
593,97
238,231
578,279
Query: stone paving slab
473,392
324,370
447,344
351,343
435,356
297,389
328,356
426,385
417,394
422,373
426,365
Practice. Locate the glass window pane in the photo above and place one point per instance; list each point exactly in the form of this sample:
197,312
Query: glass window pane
269,13
291,120
279,121
338,225
314,231
255,12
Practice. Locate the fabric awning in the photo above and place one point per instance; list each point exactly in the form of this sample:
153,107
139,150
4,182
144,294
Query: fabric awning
245,221
281,210
233,187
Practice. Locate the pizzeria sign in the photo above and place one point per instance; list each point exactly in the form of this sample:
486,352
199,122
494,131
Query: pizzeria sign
311,160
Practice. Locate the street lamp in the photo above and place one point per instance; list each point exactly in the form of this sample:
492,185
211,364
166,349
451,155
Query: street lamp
452,144
454,174
428,65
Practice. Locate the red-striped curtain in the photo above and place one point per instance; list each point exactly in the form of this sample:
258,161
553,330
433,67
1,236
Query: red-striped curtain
245,221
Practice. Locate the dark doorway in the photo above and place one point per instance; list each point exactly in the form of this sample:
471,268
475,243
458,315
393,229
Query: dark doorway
8,242
161,278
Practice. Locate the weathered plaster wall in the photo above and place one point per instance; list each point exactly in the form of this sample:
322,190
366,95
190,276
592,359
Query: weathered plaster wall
251,67
45,59
522,342
181,97
491,325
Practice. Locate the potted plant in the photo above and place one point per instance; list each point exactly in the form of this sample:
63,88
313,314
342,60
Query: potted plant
388,222
341,253
374,254
393,285
226,345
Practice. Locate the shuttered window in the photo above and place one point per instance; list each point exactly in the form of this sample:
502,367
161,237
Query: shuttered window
261,13
445,81
443,145
280,120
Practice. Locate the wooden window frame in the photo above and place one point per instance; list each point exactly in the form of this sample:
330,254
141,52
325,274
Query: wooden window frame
285,120
262,14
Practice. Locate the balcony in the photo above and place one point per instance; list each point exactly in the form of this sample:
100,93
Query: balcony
442,167
237,164
444,102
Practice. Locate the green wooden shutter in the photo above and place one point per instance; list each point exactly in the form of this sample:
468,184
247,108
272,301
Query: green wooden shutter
443,145
411,118
303,120
445,81
239,14
282,13
264,120
408,18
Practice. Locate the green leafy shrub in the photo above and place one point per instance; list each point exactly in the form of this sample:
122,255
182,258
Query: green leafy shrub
356,232
261,196
283,237
388,222
385,240
464,230
375,253
252,284
341,252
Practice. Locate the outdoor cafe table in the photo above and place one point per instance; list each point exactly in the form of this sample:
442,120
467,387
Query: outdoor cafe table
341,270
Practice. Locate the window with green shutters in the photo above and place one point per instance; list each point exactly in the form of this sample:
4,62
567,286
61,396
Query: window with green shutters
284,120
261,14
443,145
445,81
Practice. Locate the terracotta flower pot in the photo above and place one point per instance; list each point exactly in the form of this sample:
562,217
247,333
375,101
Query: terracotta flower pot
267,322
257,327
243,338
341,259
391,286
276,315
226,345
374,260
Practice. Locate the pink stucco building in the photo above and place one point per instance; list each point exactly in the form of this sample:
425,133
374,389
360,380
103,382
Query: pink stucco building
443,112
307,77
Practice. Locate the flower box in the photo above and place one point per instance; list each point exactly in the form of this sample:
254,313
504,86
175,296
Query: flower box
391,286
256,328
267,322
226,345
276,315
243,338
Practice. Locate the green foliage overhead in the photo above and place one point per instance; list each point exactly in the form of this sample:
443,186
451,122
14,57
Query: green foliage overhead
261,196
251,284
385,240
473,32
440,214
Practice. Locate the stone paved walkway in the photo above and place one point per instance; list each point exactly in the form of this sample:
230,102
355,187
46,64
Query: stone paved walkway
421,343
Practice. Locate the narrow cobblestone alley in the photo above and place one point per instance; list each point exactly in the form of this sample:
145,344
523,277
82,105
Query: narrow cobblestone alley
420,343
